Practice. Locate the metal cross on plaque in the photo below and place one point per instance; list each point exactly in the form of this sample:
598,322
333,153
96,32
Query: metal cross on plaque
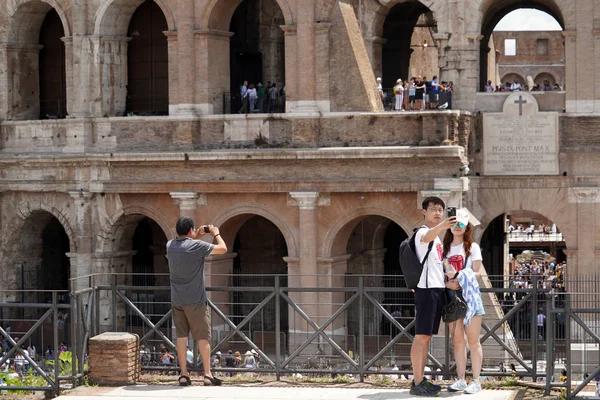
520,102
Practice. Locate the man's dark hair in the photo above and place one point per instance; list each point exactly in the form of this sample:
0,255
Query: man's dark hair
436,201
183,226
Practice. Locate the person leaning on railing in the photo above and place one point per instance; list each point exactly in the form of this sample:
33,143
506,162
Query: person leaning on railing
191,312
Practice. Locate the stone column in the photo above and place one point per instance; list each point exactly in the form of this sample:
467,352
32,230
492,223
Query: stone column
188,202
291,66
461,66
105,265
212,72
571,77
173,69
68,41
332,274
19,85
374,45
108,58
306,78
81,262
586,199
450,190
322,30
186,58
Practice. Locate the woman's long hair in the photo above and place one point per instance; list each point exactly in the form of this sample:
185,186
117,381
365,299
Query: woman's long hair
467,237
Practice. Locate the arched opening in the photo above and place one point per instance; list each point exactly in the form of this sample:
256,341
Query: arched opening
257,55
520,36
545,80
409,49
149,267
52,68
511,78
260,248
44,261
41,267
372,246
147,62
36,87
523,249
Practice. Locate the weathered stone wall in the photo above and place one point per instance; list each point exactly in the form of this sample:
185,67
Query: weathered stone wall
114,359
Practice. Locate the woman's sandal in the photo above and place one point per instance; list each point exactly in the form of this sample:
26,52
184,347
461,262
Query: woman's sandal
186,380
212,381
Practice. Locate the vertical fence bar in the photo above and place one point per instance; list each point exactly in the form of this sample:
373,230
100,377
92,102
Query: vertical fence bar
568,342
534,332
114,302
550,333
361,329
277,328
96,311
55,341
74,338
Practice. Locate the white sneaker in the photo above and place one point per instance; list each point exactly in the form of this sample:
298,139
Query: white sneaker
457,386
474,387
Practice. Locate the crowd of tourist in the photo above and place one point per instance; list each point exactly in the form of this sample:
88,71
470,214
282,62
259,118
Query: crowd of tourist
256,98
516,86
417,94
18,365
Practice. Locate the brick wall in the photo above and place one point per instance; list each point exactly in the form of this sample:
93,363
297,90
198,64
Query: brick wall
114,359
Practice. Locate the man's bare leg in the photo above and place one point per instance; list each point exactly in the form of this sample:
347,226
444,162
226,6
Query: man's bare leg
204,349
418,356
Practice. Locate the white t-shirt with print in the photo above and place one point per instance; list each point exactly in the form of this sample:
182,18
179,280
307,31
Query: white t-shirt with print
433,270
456,256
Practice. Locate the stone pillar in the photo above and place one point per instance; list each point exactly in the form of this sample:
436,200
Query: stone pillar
322,30
188,202
186,58
332,274
291,66
105,265
114,359
461,66
374,45
81,262
68,41
571,77
173,69
217,272
305,49
450,190
212,72
19,85
586,199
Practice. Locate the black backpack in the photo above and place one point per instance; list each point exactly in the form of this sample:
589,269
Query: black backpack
411,266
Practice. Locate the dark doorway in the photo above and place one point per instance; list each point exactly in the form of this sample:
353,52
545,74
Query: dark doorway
257,52
493,248
398,34
260,248
149,268
55,266
52,71
148,62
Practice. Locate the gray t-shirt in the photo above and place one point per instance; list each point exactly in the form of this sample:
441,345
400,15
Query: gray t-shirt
186,266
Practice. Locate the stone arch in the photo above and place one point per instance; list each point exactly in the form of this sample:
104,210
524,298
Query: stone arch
124,221
383,8
235,217
26,210
510,77
492,11
113,16
27,17
218,13
545,76
337,236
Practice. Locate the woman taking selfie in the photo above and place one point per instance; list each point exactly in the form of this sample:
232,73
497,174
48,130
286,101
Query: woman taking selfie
462,262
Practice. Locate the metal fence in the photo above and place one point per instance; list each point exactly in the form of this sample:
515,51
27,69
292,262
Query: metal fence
352,325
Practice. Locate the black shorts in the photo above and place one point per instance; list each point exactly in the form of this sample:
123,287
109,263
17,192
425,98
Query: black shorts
419,95
411,99
429,303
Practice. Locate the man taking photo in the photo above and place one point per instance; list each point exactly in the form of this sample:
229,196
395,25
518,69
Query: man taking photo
191,312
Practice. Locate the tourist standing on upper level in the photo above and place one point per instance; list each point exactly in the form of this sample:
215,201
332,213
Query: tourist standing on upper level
399,94
244,98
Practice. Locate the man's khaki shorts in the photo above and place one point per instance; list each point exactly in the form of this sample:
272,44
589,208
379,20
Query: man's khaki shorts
192,318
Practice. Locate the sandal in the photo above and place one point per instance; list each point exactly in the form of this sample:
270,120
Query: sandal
212,381
186,380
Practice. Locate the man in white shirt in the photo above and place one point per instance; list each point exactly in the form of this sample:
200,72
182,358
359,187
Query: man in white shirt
429,295
515,87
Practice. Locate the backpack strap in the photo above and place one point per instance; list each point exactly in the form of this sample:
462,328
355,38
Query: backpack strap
426,254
